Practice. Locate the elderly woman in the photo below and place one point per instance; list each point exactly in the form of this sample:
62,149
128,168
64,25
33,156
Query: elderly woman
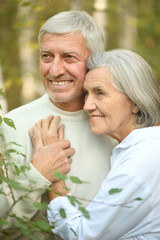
122,101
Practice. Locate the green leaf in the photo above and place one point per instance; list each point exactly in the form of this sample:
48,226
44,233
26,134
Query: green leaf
85,212
68,189
0,107
1,92
76,180
62,212
1,120
9,122
1,172
73,200
3,221
16,170
24,168
40,205
43,225
15,144
74,232
115,190
11,150
60,176
138,199
14,184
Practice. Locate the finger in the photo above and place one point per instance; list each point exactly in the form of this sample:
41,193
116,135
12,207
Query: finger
64,144
51,134
70,160
69,152
39,124
61,132
46,123
35,136
54,124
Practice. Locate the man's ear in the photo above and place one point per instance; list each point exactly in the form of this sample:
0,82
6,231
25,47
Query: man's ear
135,109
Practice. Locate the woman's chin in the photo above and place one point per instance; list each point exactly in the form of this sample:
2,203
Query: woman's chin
96,131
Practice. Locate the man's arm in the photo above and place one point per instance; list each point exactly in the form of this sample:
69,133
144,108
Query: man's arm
45,160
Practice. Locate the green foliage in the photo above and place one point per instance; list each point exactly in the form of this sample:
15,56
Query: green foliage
138,199
84,212
40,206
114,190
9,122
1,92
60,176
76,180
1,120
73,200
62,212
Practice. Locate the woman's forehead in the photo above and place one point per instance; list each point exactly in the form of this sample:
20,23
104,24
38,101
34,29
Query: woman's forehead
101,75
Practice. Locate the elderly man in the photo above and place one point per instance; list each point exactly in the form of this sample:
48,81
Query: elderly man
65,40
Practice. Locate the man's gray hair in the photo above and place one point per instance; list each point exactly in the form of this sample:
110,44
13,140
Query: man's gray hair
133,76
71,22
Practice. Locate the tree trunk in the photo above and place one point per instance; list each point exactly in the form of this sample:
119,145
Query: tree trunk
100,14
129,31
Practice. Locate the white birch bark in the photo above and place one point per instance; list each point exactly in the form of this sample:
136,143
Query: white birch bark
129,33
100,15
27,56
75,5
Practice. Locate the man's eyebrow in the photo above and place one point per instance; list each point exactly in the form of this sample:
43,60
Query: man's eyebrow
44,50
66,52
74,52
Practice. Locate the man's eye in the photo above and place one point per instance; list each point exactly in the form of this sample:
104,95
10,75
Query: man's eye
46,57
69,56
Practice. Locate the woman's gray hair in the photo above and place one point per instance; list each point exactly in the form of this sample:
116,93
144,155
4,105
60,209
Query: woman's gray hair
133,76
71,22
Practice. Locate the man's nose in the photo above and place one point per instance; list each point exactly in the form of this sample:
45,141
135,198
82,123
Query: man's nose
57,68
89,104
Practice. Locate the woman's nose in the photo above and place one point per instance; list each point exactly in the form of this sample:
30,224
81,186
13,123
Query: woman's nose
89,104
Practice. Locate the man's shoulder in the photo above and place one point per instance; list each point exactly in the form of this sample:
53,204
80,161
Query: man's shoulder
28,109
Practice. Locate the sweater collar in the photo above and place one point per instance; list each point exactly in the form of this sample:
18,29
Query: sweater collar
77,115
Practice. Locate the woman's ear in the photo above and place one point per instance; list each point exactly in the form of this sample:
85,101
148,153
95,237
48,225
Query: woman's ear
135,109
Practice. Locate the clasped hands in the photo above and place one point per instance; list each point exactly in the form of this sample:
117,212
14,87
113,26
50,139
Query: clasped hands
51,152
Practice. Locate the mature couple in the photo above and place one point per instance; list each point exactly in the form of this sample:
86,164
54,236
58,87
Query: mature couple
123,104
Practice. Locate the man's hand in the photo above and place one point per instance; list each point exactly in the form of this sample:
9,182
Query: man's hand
51,152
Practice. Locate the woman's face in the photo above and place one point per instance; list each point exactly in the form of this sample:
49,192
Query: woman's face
111,112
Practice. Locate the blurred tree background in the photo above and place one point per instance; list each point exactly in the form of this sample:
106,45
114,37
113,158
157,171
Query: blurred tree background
130,24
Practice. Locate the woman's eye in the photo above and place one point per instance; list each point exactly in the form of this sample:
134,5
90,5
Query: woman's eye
100,92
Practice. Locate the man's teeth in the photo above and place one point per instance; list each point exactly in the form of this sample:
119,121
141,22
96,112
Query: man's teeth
61,83
97,117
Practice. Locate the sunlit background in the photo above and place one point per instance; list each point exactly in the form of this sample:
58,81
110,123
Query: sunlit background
129,24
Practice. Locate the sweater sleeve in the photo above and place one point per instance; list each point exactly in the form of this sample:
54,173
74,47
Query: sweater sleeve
18,198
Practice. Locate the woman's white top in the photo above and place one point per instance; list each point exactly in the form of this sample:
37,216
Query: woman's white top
133,213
